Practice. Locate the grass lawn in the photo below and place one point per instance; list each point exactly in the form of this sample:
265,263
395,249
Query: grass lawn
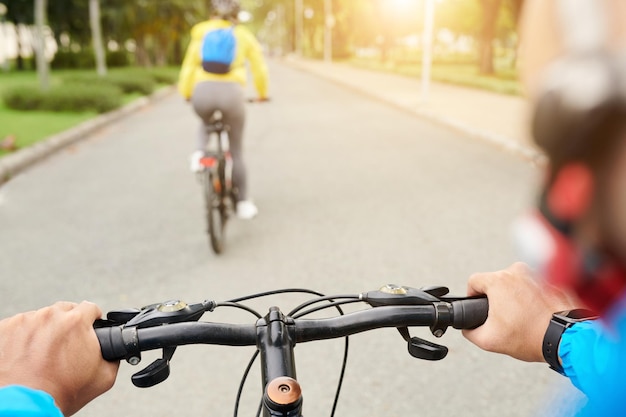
504,81
29,127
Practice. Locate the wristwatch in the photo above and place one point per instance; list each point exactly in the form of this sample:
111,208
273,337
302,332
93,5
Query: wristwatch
558,324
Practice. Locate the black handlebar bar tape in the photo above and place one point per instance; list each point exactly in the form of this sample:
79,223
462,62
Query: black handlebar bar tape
469,313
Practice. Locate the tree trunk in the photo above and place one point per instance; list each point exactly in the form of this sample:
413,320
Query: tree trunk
19,61
141,52
491,9
178,51
40,45
96,36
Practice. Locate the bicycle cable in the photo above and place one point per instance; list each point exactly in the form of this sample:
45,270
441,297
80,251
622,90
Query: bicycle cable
347,300
243,381
235,302
275,292
320,299
241,306
331,304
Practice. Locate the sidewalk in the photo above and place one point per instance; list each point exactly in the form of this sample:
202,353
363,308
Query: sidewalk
499,119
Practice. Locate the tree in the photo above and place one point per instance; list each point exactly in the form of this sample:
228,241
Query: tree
491,10
156,27
40,47
96,34
19,12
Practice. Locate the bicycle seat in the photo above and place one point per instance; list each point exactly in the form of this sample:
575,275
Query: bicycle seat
216,122
217,115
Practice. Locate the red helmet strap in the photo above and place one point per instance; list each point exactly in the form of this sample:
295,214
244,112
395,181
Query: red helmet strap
570,194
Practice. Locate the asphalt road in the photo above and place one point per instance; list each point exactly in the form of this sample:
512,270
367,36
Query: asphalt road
352,194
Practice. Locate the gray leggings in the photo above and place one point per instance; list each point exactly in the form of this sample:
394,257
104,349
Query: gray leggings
229,98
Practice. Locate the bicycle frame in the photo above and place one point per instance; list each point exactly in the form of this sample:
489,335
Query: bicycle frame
217,180
220,156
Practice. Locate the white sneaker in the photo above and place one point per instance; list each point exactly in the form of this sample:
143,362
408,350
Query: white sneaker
246,209
194,159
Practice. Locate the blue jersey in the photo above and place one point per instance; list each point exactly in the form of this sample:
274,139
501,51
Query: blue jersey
18,401
593,354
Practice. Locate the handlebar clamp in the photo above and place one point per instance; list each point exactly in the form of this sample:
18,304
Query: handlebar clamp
443,318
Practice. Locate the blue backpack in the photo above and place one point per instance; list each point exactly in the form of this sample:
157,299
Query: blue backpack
218,51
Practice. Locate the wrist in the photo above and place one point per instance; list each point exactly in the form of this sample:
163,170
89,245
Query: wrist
560,322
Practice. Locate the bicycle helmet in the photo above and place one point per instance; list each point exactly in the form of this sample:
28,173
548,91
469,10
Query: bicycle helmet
581,110
226,9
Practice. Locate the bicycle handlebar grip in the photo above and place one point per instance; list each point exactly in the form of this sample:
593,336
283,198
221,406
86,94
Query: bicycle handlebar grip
469,313
112,344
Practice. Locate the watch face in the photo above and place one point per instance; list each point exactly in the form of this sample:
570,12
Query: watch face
580,314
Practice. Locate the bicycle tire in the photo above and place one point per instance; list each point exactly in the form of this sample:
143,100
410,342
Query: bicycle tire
215,211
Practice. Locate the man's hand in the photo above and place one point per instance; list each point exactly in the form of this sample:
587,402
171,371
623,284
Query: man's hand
519,312
55,349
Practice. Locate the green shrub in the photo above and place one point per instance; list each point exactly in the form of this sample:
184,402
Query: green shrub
129,82
69,97
23,97
133,82
73,60
117,59
164,75
91,78
62,60
78,97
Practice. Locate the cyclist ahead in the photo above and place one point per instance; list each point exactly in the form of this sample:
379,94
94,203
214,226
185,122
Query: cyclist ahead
213,77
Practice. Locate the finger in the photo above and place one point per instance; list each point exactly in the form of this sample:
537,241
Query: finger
474,335
89,310
477,284
520,268
61,306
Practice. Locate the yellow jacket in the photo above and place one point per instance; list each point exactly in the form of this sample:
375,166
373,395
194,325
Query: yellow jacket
248,48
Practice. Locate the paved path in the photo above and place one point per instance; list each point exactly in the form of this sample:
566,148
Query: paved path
499,119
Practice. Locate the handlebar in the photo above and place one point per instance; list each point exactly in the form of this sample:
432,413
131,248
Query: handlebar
460,314
127,333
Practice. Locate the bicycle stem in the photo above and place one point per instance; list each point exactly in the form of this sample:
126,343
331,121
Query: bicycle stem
276,340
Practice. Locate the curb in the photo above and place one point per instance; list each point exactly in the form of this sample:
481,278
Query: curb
14,163
507,144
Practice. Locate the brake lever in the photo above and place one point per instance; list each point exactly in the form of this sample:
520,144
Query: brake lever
156,372
391,294
169,312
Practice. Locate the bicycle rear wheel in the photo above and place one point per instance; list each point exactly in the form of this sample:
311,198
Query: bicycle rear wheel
216,210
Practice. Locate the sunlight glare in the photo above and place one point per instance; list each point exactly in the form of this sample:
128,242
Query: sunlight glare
402,4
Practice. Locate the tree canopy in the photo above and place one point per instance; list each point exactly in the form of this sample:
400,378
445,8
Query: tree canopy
155,31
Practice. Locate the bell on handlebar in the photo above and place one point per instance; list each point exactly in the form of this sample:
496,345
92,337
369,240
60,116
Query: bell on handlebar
392,294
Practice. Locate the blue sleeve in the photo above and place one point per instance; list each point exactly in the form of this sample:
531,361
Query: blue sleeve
594,358
18,401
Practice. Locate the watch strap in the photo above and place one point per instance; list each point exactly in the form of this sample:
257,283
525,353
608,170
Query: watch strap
551,341
560,322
